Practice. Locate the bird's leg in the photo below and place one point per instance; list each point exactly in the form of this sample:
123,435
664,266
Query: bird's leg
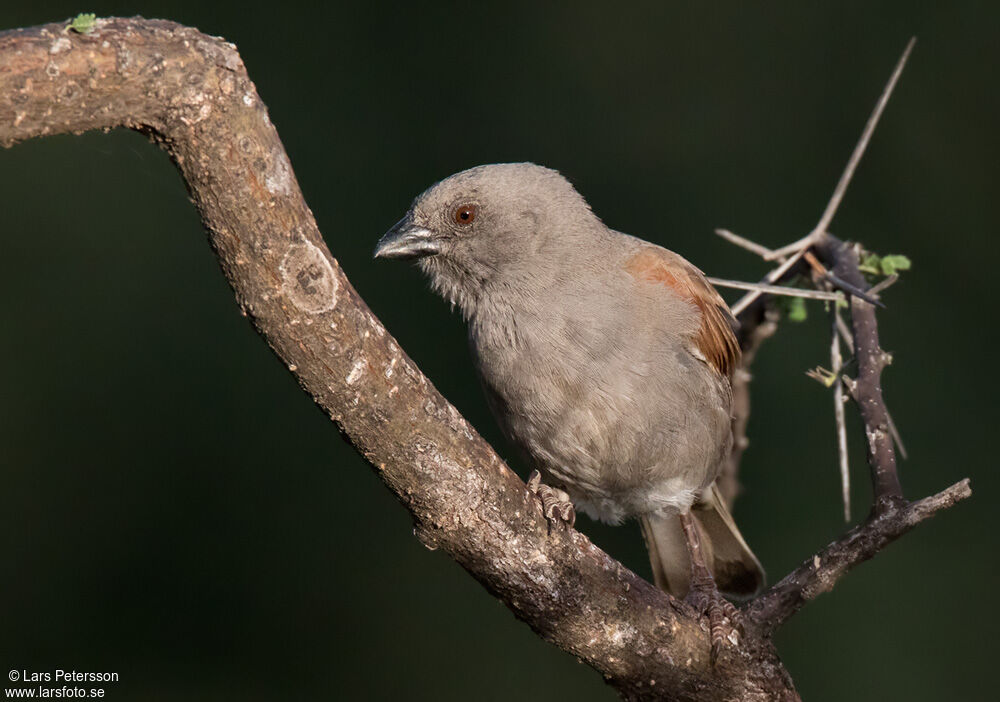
556,505
724,620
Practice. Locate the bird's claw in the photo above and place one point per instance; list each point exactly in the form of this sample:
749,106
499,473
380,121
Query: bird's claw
725,623
556,504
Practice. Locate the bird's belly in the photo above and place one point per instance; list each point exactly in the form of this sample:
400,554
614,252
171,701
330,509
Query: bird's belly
621,440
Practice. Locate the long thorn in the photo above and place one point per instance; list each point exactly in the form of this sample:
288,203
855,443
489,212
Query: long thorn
748,299
838,415
852,290
776,289
845,334
896,437
866,135
821,270
852,164
882,285
744,243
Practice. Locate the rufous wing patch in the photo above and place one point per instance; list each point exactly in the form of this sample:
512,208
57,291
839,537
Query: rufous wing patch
715,338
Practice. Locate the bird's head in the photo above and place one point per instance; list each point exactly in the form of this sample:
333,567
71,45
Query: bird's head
491,225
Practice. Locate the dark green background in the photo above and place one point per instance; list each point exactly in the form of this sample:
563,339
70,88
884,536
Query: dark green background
176,510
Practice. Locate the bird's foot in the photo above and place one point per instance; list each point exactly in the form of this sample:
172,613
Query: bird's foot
556,505
725,622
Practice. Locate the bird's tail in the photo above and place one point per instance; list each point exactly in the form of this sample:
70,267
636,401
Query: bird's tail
736,570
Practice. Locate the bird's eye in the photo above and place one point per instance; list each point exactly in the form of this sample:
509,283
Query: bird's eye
464,214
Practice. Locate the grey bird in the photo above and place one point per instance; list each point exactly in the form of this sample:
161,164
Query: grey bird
607,360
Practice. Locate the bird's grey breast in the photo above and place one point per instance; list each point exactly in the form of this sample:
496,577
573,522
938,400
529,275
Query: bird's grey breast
600,394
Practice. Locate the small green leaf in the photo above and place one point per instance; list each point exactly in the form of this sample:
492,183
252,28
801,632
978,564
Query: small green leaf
795,309
893,263
83,23
871,263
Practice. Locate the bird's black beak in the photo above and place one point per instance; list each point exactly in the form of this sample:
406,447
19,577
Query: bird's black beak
407,240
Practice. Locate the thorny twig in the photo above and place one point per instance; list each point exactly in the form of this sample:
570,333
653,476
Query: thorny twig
802,249
891,515
867,389
796,249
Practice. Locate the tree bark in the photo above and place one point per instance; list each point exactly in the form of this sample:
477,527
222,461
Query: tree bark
190,93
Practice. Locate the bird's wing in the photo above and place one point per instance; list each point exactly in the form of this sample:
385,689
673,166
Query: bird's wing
715,338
